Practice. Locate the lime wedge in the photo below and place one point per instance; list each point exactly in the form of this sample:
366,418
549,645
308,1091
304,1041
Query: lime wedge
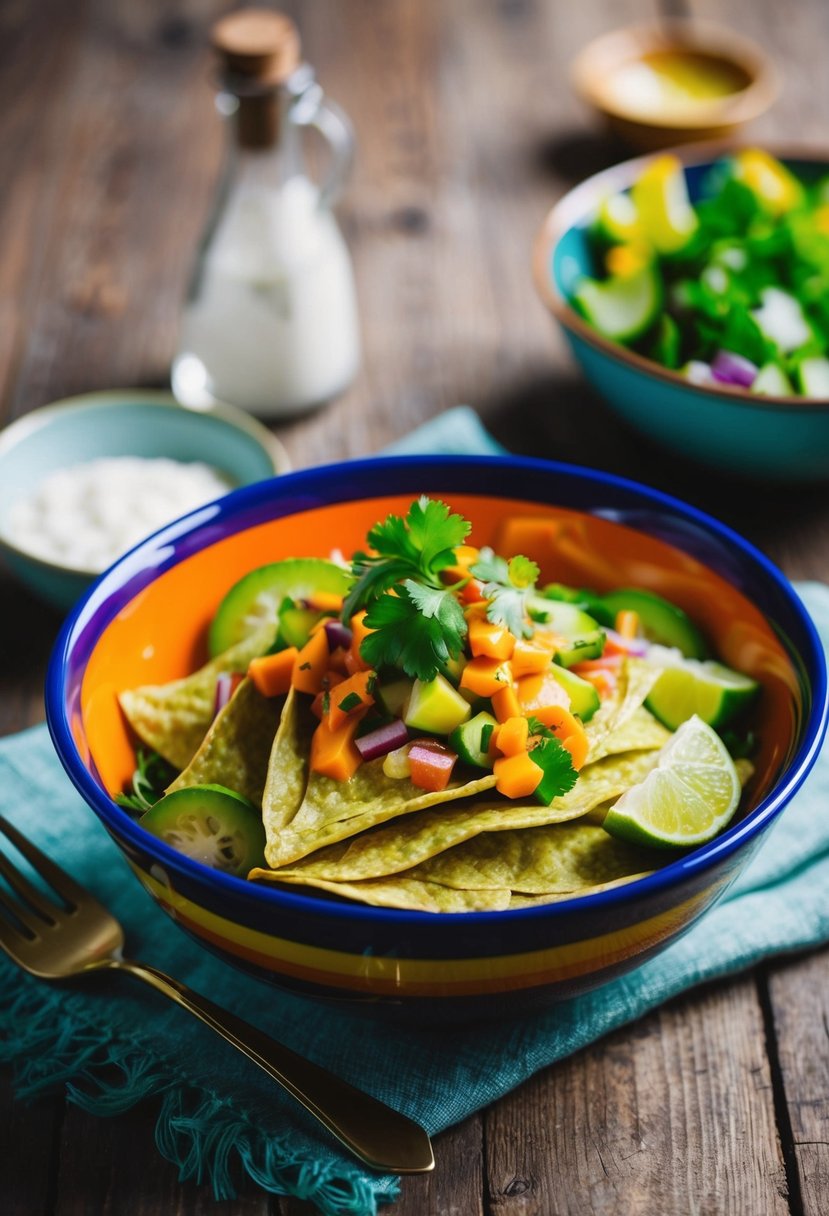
688,797
706,688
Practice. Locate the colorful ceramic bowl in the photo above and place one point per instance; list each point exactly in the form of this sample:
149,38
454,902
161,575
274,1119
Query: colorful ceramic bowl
129,422
146,620
780,438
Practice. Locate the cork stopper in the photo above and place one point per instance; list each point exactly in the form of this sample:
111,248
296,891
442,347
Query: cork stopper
259,49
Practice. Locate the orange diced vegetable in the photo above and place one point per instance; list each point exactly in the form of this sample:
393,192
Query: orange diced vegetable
512,736
333,752
465,556
627,624
529,658
536,692
330,680
271,673
505,703
350,696
354,661
516,776
492,641
566,727
311,664
472,592
484,676
430,764
326,601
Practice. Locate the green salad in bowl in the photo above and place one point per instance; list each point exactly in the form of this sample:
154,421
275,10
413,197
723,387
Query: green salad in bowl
729,290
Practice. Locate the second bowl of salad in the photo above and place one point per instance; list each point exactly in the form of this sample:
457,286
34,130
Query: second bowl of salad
692,287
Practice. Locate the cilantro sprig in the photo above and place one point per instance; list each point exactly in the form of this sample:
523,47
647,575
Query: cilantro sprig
555,762
151,777
507,585
416,621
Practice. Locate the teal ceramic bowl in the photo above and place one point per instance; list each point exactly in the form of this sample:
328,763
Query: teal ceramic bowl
124,423
779,438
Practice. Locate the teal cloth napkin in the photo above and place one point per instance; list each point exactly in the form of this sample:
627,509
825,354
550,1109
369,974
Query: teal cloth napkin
113,1043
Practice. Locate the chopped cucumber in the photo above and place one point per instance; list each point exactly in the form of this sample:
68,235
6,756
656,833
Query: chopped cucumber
621,308
568,619
584,700
295,624
210,824
435,706
471,740
256,598
394,695
586,646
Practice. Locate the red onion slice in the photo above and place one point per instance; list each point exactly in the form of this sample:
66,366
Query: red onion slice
730,368
226,684
338,634
386,738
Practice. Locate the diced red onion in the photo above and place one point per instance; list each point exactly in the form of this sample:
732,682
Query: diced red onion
386,738
226,684
634,646
698,373
730,368
338,634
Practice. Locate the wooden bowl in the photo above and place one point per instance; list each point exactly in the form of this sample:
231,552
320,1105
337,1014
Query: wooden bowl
619,75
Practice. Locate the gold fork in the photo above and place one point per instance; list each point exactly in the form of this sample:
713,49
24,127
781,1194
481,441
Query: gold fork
57,943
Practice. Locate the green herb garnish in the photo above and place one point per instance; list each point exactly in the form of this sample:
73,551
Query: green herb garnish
507,585
149,781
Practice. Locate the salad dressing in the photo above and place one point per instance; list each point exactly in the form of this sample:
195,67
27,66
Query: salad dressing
672,80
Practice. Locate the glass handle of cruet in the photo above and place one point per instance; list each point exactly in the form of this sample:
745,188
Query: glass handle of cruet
311,108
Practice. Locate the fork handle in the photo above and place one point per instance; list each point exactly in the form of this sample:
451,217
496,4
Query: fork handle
381,1137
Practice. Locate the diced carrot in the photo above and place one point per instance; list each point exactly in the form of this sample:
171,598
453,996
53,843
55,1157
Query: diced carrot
326,601
489,640
609,662
536,692
337,661
472,592
476,611
534,536
604,682
512,736
333,752
350,696
354,661
627,624
566,727
484,676
465,556
517,776
505,703
530,658
612,648
271,673
311,664
330,680
430,764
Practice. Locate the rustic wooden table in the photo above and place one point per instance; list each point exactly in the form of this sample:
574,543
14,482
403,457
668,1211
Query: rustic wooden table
468,130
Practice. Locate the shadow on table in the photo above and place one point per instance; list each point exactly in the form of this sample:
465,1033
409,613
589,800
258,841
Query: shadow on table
561,418
576,155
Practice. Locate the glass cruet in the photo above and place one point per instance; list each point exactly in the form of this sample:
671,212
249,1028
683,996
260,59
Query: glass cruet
270,321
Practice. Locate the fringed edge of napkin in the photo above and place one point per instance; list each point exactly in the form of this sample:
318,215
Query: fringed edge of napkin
199,1132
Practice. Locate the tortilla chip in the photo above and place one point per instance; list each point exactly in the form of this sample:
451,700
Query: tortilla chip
406,842
287,774
531,901
636,679
235,750
640,732
334,810
408,893
173,718
537,861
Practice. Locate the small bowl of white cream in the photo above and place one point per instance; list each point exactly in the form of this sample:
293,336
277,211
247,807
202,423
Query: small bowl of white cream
85,479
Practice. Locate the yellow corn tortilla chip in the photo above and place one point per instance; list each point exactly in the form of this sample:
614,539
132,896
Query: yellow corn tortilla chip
408,893
641,731
398,846
530,901
636,679
334,810
236,748
537,861
174,718
287,774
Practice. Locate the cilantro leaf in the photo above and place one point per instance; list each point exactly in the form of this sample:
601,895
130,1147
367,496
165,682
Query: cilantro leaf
151,777
416,547
507,585
418,630
556,764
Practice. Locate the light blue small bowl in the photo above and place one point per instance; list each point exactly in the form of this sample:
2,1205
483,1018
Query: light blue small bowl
779,438
139,422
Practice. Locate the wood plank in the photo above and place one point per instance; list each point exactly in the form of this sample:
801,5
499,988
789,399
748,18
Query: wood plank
28,1136
672,1115
799,998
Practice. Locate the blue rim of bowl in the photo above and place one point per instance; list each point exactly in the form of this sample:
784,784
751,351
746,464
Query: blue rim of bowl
328,485
31,422
571,211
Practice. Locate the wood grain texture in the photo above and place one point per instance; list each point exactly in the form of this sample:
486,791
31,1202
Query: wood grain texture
467,133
